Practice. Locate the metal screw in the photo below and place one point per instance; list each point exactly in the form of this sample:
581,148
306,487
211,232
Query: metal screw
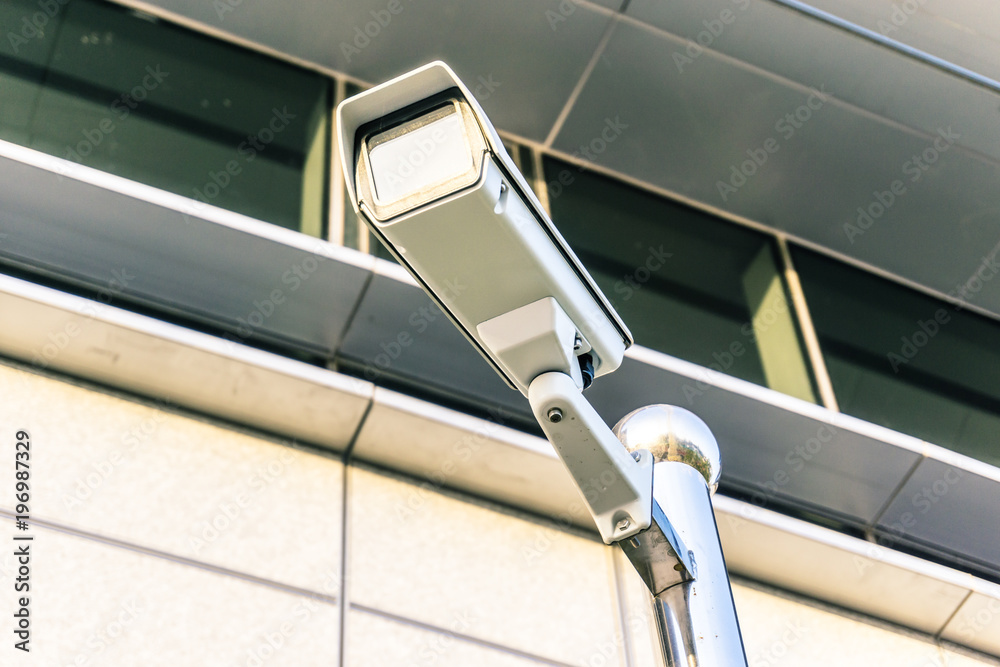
577,342
636,456
623,524
555,415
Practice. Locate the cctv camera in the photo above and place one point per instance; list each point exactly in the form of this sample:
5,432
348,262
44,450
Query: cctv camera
429,175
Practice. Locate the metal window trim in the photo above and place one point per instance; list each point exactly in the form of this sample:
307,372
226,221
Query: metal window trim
806,327
178,366
336,227
777,399
184,205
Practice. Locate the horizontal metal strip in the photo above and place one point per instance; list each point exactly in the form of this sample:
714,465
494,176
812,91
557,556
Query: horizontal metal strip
51,330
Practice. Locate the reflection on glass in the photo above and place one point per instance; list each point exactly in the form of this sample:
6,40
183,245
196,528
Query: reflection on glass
686,283
355,229
124,93
420,155
905,360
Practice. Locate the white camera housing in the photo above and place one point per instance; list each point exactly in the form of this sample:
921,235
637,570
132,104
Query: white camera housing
427,172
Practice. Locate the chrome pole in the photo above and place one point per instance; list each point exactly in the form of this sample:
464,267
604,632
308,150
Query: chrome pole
679,556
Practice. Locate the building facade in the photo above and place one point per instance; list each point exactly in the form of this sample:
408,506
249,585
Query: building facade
255,441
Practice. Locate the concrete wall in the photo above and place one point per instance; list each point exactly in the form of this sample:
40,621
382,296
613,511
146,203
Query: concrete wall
163,538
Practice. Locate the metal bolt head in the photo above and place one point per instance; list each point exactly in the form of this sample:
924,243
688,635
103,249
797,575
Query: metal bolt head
555,415
623,524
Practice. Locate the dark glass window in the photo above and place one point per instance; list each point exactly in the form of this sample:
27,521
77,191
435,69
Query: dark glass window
127,94
904,360
687,284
